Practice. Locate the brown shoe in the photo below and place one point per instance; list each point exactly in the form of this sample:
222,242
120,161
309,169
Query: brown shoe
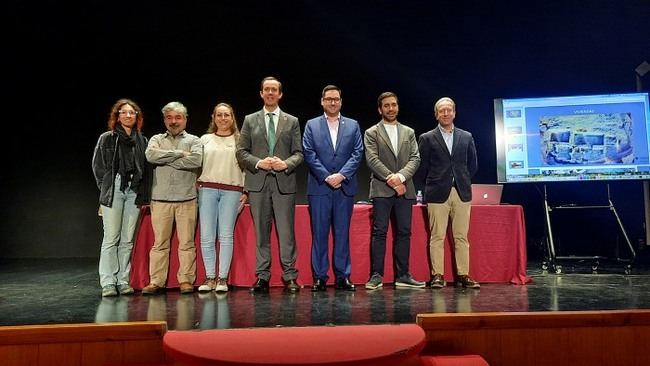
186,288
438,281
467,281
151,289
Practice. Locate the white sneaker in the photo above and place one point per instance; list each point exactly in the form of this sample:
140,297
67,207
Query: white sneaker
222,285
209,285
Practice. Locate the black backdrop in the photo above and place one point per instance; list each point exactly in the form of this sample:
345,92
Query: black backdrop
67,62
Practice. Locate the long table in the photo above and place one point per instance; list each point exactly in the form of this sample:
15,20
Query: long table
497,238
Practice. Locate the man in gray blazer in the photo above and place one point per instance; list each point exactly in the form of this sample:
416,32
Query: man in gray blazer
270,149
448,163
393,158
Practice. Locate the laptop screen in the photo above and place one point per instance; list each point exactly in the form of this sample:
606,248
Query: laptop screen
486,194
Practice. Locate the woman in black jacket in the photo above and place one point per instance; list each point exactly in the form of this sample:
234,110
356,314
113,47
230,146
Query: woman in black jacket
123,177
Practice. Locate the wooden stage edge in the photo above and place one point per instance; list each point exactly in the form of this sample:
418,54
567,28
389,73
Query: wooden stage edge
607,337
91,344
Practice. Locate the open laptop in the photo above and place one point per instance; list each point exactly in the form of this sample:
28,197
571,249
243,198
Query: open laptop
486,194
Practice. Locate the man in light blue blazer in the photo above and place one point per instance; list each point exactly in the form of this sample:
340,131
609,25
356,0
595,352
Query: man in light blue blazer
333,150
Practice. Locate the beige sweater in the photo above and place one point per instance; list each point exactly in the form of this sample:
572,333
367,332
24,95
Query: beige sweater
219,162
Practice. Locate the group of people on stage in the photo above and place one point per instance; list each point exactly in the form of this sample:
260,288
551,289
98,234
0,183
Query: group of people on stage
174,172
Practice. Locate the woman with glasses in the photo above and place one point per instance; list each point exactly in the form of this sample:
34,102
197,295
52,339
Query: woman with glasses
124,180
221,195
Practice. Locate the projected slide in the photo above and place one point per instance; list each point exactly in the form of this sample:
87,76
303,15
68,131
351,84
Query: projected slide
587,139
596,137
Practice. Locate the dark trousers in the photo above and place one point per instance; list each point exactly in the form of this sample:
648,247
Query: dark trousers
381,213
266,205
334,211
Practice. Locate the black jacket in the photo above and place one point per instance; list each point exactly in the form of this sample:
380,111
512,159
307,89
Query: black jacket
439,170
105,168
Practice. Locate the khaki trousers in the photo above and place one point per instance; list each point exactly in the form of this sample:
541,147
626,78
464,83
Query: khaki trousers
439,215
163,216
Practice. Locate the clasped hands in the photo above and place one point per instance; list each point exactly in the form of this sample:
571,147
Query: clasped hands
335,180
272,163
395,183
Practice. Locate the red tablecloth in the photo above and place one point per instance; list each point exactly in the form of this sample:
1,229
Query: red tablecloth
497,238
359,345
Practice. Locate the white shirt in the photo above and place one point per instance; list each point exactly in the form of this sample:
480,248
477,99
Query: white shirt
448,136
391,131
334,129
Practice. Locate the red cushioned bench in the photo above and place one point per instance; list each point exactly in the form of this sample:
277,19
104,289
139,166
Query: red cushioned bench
358,345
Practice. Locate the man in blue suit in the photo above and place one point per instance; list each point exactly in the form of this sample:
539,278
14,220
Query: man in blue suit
333,149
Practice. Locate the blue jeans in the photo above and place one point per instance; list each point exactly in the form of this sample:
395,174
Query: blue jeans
120,222
217,213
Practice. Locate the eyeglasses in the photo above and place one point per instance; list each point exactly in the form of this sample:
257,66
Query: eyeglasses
332,100
128,113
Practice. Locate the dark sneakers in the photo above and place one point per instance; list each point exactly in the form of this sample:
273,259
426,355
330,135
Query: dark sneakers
437,281
375,282
467,282
407,281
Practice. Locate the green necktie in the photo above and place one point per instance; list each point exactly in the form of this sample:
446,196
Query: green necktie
271,134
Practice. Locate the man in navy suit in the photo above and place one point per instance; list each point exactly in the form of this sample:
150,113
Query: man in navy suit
448,162
269,149
333,149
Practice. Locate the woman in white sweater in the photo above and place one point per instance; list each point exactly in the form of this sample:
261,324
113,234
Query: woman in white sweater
221,195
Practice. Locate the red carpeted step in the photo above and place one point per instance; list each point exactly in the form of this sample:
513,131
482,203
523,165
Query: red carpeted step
459,360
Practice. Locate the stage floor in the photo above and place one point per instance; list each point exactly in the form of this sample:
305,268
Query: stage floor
49,291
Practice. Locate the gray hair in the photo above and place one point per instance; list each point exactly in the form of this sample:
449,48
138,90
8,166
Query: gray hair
443,100
177,107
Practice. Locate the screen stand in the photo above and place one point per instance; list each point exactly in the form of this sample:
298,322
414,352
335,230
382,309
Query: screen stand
553,258
646,207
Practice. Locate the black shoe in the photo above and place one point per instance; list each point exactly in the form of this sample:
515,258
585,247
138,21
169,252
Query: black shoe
437,281
292,286
319,285
467,282
344,284
261,285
